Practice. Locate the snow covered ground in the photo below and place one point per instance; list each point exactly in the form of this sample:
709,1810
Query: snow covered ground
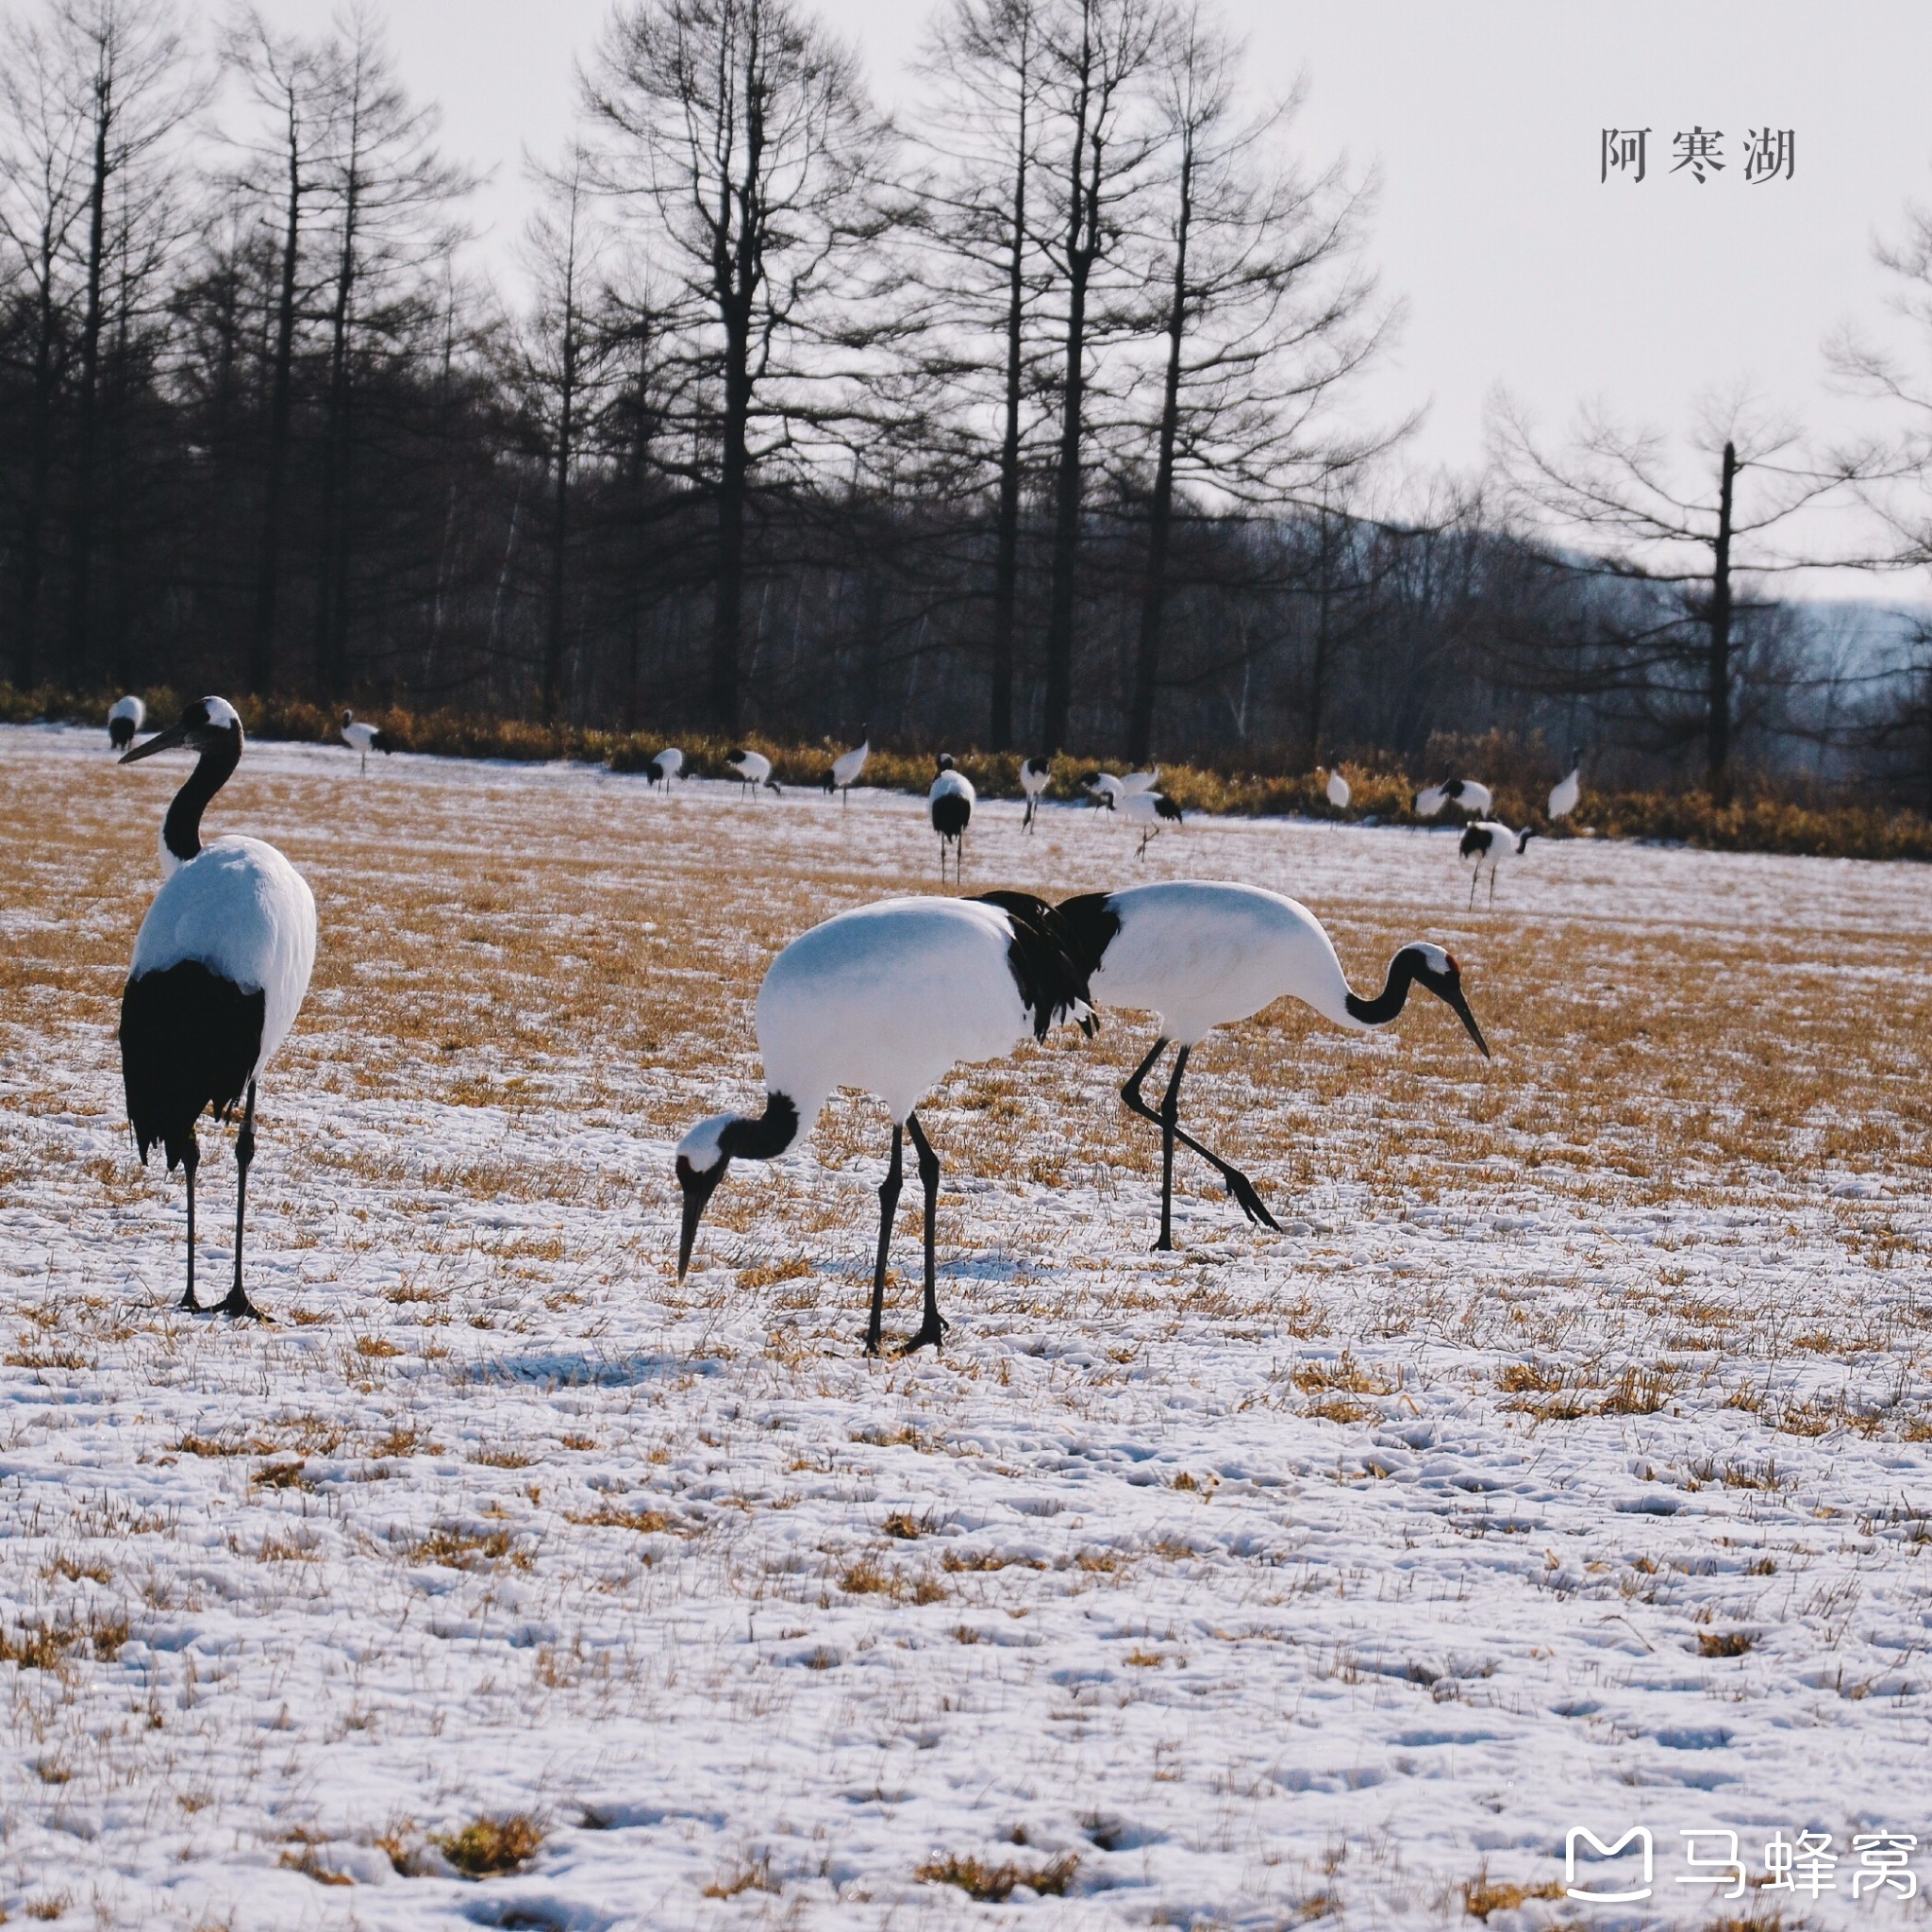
1567,1461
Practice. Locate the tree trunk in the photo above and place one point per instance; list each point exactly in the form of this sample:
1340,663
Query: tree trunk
81,554
261,651
40,476
1718,697
728,610
559,522
1318,665
1006,539
1082,245
331,591
1160,510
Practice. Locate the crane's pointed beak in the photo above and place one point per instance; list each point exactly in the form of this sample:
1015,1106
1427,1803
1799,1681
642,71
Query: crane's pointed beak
1452,997
698,1185
162,740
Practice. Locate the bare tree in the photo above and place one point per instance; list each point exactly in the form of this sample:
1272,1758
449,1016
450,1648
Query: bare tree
130,59
1672,653
1100,135
1263,315
984,60
743,130
556,364
283,158
44,131
390,194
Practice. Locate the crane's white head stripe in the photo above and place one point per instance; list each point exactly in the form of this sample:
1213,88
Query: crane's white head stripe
699,1149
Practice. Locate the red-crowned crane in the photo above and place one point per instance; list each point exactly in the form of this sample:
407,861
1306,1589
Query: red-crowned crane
888,998
1337,788
220,967
364,738
1567,793
1492,844
949,804
1035,776
1149,811
126,716
843,773
754,770
667,765
1464,793
1199,954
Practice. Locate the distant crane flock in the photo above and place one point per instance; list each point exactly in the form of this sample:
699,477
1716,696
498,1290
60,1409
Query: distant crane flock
886,999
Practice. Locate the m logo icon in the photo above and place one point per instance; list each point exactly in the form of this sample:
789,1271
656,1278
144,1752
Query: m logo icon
1638,1835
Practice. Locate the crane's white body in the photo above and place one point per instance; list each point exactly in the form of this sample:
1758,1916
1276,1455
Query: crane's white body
1491,843
847,766
1107,788
129,713
754,767
1565,794
1338,793
1464,792
885,998
359,735
1140,781
240,909
952,784
1199,954
1036,774
666,766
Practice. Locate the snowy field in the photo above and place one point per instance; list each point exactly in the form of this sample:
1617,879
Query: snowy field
1566,1461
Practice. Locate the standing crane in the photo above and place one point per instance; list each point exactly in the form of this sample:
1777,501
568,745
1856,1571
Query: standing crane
1464,793
754,770
843,773
1492,844
1035,776
667,765
364,738
220,964
126,716
1198,955
888,998
1567,793
949,804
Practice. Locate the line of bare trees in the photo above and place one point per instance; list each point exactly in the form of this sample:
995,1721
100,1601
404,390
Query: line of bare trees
1034,418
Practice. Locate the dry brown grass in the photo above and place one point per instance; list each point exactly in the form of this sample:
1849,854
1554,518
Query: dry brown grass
488,1846
993,1884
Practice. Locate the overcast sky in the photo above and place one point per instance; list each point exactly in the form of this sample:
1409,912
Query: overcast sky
1516,264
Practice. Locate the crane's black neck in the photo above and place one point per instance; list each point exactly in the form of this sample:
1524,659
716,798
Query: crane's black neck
765,1138
181,833
1387,1004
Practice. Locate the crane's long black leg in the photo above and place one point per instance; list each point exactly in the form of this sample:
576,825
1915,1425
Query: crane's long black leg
1170,1114
189,1161
889,1204
1475,880
932,1329
238,1302
1245,1196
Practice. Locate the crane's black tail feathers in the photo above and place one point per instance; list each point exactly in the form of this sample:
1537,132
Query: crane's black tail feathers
1094,924
1045,960
189,1041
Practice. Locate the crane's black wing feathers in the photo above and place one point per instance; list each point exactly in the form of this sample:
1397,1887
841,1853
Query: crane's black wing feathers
1045,960
189,1041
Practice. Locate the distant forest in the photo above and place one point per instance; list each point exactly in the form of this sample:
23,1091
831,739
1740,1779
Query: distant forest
1035,417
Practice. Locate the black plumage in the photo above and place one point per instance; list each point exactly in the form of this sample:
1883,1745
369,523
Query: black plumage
189,1041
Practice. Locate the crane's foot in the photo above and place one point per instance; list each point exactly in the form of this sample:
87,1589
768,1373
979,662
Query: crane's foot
189,1305
872,1341
931,1333
1163,1246
237,1303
